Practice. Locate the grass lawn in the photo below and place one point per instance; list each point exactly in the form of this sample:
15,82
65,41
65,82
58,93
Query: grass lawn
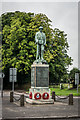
65,91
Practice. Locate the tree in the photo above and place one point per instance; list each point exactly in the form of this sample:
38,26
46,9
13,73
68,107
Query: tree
19,48
59,60
72,75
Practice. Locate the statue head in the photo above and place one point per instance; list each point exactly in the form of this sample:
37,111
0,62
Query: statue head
40,28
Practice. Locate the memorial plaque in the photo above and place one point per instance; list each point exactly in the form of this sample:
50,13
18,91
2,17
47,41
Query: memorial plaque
40,76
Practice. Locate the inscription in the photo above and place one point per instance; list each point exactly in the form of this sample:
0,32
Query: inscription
40,76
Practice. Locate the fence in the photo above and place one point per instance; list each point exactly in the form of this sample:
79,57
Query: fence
70,96
21,98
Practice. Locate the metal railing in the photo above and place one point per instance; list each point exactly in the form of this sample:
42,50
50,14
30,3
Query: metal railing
70,97
54,96
21,98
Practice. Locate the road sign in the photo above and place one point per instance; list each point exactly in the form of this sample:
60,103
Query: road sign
76,78
13,75
2,75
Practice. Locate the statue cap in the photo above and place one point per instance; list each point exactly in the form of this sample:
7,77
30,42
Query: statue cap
40,27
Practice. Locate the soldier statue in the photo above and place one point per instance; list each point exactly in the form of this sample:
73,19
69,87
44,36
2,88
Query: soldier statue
40,40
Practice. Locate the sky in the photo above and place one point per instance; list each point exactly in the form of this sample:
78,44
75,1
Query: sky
63,14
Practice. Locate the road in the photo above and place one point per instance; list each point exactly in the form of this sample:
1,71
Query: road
60,109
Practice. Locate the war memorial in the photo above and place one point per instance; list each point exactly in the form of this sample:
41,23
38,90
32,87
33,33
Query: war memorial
40,72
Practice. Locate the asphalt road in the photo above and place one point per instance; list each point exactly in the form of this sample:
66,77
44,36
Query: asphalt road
59,110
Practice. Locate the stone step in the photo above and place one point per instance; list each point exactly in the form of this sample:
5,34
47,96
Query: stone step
33,101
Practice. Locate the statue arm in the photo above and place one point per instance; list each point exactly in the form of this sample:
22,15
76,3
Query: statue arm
36,40
45,40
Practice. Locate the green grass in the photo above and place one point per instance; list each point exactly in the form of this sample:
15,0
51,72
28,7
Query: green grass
65,91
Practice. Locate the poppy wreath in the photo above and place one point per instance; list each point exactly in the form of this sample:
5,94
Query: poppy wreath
45,96
37,96
30,95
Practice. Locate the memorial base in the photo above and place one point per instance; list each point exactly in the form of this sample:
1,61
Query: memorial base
39,102
39,95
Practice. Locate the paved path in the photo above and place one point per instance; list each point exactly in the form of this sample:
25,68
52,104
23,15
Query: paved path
51,111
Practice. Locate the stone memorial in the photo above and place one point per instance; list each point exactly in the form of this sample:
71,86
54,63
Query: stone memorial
40,71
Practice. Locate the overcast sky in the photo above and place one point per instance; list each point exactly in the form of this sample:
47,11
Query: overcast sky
64,15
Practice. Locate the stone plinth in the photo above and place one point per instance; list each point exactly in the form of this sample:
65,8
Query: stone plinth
37,90
39,75
40,83
39,102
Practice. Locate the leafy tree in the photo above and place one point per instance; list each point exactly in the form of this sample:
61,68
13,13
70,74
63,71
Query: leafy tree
59,60
19,48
